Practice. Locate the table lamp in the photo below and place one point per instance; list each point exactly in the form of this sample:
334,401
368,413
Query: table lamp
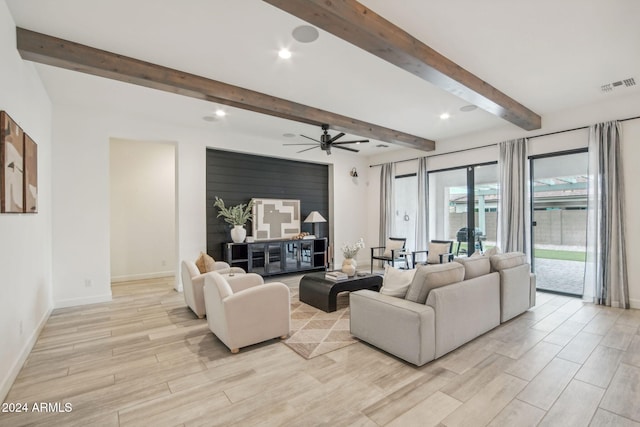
314,218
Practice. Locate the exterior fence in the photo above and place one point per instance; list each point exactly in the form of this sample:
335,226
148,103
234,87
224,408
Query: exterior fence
562,227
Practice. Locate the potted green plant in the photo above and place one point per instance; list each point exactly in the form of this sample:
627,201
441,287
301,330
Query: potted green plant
237,216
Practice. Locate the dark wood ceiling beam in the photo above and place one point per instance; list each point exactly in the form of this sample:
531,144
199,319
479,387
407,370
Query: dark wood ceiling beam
61,53
354,23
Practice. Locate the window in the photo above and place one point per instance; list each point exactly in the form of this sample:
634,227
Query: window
455,193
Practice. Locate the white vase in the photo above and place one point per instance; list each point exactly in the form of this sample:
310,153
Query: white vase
238,233
349,266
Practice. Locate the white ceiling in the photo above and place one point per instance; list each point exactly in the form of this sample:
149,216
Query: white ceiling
549,55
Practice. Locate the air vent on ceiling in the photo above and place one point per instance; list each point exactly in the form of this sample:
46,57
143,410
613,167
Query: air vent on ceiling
626,83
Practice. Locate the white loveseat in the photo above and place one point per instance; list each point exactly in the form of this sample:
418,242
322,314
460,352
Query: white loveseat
445,306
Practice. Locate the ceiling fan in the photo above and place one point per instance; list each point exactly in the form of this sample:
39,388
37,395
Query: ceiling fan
327,141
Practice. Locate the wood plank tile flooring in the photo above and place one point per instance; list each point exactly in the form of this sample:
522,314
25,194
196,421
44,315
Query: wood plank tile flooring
145,359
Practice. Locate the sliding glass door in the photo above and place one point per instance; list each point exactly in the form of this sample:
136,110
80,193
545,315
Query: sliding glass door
559,221
462,207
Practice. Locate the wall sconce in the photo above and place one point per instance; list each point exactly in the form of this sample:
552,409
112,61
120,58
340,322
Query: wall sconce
354,173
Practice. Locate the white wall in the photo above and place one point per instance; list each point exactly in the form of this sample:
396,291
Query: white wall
609,109
25,253
82,149
143,220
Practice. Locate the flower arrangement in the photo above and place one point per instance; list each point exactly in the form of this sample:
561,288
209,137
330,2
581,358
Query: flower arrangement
351,250
234,215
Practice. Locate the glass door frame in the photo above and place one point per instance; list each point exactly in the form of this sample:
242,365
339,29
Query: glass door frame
531,204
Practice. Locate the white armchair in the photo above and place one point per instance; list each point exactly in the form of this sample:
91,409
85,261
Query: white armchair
245,311
193,283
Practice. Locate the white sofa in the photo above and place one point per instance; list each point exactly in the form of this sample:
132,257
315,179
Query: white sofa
446,306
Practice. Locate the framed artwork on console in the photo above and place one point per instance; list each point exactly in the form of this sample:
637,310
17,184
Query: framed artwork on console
12,163
275,218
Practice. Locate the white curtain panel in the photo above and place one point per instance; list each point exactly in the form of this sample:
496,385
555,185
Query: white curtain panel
606,279
422,224
513,206
387,201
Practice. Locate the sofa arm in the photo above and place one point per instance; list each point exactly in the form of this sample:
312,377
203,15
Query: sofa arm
515,291
400,327
241,282
464,311
220,265
231,270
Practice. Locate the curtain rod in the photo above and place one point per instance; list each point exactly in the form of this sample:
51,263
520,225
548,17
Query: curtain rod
494,144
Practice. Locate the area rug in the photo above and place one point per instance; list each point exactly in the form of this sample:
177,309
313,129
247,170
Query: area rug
314,332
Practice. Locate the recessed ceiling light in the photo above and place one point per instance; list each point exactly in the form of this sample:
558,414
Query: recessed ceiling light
209,119
305,33
284,53
288,135
468,108
220,113
382,146
444,116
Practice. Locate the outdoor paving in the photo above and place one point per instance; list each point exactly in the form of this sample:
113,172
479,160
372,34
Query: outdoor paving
560,275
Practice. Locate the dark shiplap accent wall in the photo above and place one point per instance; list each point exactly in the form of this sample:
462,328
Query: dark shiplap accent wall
237,178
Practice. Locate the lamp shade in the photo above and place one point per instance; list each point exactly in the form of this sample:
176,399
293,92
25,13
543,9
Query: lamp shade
315,217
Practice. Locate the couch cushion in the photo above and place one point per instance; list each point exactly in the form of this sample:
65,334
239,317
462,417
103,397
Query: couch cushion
508,260
435,249
392,245
396,282
205,263
429,277
475,266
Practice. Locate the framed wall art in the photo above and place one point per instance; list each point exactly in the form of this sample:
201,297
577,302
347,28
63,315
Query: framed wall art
12,162
30,175
275,218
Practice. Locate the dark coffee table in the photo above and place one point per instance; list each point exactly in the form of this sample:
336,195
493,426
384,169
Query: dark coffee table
322,293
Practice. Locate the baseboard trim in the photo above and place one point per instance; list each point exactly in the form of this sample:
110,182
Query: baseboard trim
634,303
141,276
24,354
82,301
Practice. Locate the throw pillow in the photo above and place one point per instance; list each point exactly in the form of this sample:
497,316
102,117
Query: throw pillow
428,277
392,245
396,282
475,266
509,260
435,249
492,251
205,263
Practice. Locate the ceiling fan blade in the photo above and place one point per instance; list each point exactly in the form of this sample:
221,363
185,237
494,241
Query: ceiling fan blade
345,148
307,149
305,136
302,143
352,142
340,135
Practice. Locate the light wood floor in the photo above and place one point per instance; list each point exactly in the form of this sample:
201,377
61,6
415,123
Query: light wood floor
144,359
